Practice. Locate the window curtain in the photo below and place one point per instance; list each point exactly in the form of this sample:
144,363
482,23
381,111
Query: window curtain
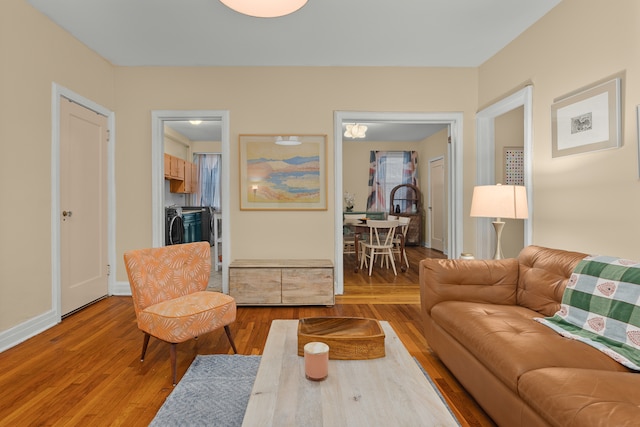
382,180
208,193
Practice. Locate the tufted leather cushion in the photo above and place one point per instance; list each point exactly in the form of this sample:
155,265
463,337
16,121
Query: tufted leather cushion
580,397
508,342
543,275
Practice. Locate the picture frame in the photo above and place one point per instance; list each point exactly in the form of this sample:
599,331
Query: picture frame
283,172
588,120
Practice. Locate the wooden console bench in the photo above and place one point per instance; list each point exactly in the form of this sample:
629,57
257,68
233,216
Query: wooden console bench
281,282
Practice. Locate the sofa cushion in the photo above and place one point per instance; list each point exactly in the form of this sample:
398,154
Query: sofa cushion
580,397
509,342
543,275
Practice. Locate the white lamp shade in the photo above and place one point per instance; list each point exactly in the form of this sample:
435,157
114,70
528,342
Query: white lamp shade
500,201
264,8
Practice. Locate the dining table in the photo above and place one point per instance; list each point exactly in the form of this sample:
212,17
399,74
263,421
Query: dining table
362,227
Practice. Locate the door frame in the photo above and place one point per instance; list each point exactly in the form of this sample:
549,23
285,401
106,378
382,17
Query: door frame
429,222
454,174
485,162
59,91
158,118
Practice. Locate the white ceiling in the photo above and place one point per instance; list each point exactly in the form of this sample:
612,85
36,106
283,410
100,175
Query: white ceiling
457,33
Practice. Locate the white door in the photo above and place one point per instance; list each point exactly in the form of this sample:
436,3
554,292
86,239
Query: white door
83,200
436,204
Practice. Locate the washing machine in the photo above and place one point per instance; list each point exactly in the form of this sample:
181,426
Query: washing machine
174,226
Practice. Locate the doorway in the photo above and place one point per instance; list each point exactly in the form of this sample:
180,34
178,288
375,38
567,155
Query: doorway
102,264
454,171
158,120
486,164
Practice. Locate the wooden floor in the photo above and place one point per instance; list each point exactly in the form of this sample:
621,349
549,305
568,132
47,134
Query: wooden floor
87,370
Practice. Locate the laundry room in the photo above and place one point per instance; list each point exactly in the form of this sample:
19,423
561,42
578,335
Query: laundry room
192,187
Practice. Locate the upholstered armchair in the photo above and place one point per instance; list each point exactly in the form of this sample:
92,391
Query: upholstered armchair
168,286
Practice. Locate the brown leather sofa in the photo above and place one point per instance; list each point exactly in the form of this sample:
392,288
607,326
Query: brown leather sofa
478,319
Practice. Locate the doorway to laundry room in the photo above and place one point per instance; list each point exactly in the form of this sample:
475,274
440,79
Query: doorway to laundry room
190,190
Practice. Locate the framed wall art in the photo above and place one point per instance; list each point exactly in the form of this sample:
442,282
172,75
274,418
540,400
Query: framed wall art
588,120
283,172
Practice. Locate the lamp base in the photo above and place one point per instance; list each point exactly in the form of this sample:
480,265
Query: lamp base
498,226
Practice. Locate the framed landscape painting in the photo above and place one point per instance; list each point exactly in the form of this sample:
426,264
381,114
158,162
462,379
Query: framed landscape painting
588,120
283,172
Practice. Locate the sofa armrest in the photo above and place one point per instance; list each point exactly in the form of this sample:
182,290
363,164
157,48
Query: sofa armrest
484,281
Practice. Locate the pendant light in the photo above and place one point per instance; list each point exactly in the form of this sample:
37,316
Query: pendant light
355,130
264,8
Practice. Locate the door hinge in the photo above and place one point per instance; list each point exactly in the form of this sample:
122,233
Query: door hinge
108,270
108,135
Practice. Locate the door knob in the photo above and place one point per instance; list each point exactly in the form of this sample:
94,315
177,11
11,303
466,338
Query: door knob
66,213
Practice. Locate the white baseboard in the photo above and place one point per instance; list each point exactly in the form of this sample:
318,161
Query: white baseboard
120,289
22,332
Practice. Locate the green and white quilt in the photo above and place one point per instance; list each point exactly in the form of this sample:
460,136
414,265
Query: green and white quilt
601,307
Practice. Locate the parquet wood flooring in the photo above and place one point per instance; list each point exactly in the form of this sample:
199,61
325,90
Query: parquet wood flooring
86,370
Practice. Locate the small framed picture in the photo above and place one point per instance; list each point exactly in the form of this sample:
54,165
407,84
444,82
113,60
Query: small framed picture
588,120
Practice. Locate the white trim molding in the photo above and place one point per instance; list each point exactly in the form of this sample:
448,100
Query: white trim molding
485,162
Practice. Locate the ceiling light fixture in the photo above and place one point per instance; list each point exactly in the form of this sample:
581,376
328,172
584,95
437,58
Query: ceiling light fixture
355,130
264,8
291,140
195,122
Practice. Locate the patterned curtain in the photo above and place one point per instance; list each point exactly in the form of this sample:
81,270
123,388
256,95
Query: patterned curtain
380,185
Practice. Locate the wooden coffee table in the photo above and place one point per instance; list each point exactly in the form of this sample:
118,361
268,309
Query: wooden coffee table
390,391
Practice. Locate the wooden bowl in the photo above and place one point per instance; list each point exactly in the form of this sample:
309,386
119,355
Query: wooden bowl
348,338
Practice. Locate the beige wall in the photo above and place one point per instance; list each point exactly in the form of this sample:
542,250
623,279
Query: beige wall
34,53
587,202
271,100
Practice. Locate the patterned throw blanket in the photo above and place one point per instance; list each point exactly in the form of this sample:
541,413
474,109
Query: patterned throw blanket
601,307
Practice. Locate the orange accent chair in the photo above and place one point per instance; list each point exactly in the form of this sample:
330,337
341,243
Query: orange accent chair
168,286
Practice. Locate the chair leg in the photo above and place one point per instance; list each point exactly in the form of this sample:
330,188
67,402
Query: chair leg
172,356
233,345
393,263
372,260
145,343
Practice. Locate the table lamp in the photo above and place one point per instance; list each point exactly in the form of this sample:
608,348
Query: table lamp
499,201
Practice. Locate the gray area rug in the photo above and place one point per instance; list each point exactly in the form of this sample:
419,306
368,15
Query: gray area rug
214,391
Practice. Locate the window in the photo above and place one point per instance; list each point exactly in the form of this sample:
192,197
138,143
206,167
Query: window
389,169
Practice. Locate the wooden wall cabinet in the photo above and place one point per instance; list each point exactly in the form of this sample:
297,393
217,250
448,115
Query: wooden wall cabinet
183,175
281,282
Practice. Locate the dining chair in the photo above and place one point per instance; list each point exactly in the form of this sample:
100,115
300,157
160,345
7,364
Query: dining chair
380,242
348,233
401,238
168,285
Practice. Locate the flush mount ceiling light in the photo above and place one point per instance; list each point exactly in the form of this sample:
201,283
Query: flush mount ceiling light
355,130
264,8
195,122
291,140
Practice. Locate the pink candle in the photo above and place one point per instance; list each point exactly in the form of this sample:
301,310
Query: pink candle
316,361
